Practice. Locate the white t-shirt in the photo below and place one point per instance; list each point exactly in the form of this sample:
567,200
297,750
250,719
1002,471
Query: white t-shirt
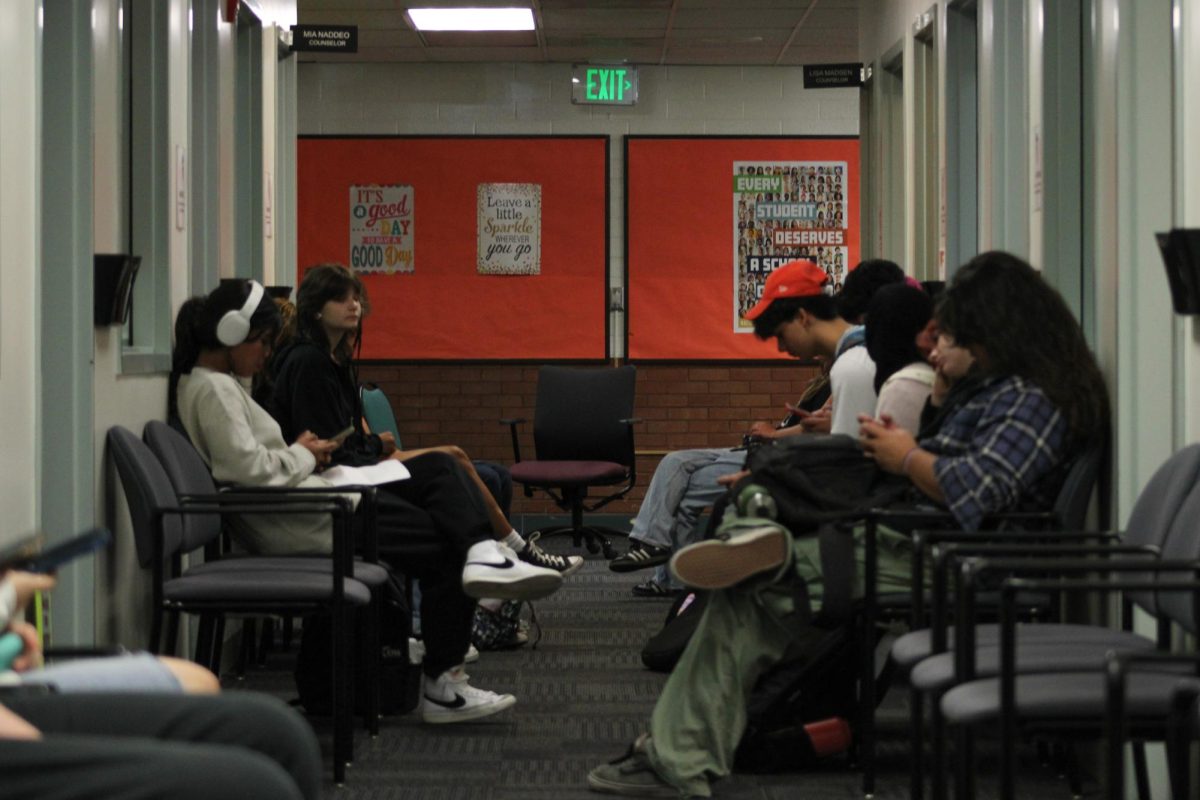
903,395
852,388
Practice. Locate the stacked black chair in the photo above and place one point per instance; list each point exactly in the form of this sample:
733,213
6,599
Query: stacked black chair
934,528
213,591
1032,683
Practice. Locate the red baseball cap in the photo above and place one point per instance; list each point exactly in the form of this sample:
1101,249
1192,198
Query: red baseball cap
800,278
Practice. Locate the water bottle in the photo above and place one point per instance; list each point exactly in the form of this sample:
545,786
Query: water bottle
755,501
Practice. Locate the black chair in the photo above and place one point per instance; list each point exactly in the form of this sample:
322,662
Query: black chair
212,591
1060,684
193,483
1182,725
937,528
583,437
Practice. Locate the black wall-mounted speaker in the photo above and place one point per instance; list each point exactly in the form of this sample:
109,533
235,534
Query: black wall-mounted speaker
112,292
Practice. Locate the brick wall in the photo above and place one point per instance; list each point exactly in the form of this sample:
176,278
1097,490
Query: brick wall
682,407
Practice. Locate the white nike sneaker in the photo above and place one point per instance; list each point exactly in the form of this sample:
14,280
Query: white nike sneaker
494,570
449,698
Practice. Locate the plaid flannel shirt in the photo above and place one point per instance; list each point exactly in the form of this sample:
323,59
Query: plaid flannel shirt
998,451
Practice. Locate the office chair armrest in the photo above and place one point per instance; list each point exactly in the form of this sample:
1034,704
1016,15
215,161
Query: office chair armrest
338,507
951,555
1180,724
368,495
973,569
512,424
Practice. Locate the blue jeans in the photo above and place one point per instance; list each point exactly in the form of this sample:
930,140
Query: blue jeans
684,484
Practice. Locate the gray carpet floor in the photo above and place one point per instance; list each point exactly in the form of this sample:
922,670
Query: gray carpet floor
582,696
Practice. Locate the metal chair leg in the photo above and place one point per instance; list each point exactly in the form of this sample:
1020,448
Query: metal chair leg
916,786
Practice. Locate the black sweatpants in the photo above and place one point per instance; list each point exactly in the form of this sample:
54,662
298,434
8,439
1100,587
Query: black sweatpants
160,747
426,526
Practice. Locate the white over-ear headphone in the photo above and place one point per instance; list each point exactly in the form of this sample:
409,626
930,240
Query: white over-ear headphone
234,326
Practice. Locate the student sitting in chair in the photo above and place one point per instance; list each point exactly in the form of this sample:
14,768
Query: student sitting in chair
797,312
227,336
316,390
139,726
1028,394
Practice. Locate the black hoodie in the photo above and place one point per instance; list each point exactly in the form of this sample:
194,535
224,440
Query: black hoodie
313,393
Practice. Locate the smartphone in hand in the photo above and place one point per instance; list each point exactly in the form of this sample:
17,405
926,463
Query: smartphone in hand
51,559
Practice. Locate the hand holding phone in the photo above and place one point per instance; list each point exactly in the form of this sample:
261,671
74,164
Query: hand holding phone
51,559
341,435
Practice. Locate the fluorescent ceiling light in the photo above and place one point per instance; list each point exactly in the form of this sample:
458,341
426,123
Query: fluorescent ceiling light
472,19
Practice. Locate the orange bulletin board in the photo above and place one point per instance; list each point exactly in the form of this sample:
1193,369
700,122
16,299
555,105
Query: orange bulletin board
707,218
446,308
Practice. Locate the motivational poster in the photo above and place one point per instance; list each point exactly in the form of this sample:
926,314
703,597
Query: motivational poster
783,211
381,228
510,229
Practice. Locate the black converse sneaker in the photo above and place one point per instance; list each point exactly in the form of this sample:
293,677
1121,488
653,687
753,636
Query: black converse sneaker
449,698
535,555
641,555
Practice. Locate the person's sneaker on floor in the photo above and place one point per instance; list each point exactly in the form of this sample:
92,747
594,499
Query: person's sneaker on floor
652,588
641,555
449,698
494,570
725,561
533,554
631,775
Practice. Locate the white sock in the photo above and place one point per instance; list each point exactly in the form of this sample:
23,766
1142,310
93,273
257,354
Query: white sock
514,540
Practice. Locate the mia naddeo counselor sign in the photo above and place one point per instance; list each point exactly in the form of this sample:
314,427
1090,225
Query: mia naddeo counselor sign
325,38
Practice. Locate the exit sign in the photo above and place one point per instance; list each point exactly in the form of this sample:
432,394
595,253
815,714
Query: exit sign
611,85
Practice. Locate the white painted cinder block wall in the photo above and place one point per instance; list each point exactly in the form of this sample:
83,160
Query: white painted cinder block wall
535,99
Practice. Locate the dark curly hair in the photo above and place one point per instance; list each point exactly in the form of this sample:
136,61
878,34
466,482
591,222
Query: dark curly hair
1023,326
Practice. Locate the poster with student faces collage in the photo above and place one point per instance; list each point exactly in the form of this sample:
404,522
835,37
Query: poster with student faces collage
782,211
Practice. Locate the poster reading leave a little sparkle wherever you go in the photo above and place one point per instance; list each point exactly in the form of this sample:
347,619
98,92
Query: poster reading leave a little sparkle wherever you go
509,224
381,228
784,210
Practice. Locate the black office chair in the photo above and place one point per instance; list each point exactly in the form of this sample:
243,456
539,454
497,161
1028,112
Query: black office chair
212,591
583,437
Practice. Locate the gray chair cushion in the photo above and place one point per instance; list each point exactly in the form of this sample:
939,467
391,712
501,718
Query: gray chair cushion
372,575
1065,696
253,586
911,648
1064,655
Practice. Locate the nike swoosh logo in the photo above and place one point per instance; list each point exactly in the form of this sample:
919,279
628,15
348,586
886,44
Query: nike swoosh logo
508,564
457,702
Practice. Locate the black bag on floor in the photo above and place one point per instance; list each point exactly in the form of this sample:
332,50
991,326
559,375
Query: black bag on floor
798,710
399,682
664,648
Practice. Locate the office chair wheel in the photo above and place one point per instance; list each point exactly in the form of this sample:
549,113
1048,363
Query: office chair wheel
593,546
610,552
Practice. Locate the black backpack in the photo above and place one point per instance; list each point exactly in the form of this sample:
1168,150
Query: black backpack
399,682
661,653
820,478
797,712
